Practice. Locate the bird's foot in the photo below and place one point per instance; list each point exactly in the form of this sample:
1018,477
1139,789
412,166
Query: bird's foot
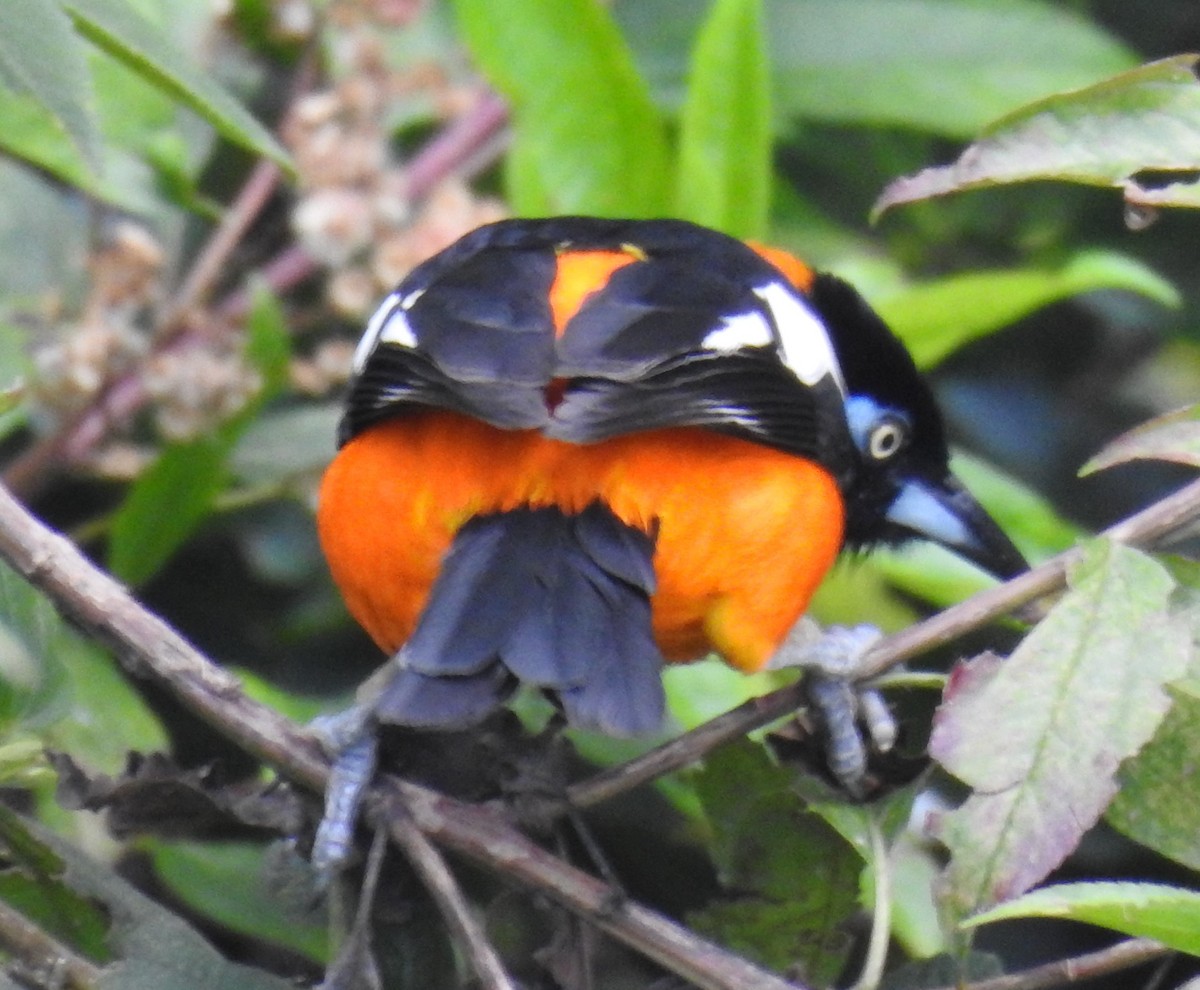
349,737
832,658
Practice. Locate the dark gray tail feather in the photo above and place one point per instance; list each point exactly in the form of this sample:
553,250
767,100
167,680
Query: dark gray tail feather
556,600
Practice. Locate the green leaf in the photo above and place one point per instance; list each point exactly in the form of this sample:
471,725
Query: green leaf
150,947
794,876
939,66
697,692
1166,914
43,57
1069,707
229,882
1160,789
164,506
587,137
176,493
1103,135
63,688
934,574
938,317
268,344
32,883
944,66
123,33
287,442
725,127
1174,436
34,135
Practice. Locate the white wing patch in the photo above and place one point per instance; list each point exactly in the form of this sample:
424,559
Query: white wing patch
803,342
738,331
388,324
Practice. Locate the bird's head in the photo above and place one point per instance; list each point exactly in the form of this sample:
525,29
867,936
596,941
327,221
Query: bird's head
903,487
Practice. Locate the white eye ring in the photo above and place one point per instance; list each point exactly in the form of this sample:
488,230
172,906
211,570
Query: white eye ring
887,439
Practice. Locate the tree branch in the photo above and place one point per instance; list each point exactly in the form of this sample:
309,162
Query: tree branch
1146,528
443,888
147,647
1124,955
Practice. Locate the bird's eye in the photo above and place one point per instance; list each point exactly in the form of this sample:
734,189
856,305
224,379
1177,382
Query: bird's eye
887,438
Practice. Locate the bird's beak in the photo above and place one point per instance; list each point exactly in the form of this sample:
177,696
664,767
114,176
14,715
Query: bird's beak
946,513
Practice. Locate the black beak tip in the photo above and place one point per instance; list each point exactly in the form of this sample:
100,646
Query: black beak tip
946,513
998,555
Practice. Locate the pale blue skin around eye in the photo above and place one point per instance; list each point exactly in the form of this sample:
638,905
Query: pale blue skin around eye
915,507
863,414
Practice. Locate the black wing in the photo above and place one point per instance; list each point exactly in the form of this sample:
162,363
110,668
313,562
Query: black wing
671,342
693,333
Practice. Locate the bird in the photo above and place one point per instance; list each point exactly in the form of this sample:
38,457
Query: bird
576,449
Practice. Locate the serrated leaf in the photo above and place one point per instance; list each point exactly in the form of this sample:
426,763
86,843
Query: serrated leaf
1069,706
1106,134
1160,790
725,126
936,318
1166,914
792,871
123,33
1174,436
588,139
43,57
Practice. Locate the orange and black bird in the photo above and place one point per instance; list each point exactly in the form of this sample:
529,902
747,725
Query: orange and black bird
574,449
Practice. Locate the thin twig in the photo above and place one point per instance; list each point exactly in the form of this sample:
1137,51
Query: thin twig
1146,528
464,147
250,202
1124,955
147,647
41,954
685,749
440,882
455,150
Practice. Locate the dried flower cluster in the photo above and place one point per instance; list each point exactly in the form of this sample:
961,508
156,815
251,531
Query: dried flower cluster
355,213
192,385
109,337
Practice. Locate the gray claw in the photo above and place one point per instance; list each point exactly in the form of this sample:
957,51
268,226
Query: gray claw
350,738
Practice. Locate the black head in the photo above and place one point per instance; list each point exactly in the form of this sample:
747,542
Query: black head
904,488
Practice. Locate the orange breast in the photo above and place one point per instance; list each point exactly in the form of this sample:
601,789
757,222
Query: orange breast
744,533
